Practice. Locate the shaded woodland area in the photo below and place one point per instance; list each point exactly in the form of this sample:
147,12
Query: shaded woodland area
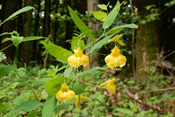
149,49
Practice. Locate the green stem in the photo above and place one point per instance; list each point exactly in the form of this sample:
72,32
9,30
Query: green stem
6,47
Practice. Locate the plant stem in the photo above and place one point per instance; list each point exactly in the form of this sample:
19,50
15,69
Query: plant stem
6,47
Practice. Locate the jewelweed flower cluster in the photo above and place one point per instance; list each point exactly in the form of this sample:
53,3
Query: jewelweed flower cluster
115,59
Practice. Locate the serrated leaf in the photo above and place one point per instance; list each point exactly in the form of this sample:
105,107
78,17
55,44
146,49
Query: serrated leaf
76,42
49,107
16,40
21,98
119,28
57,51
6,69
27,106
27,8
102,6
99,44
80,24
111,16
125,111
100,15
53,85
79,88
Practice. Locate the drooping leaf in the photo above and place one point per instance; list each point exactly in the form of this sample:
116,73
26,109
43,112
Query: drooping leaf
27,106
80,24
99,44
68,72
40,82
31,38
119,28
53,85
21,98
57,51
102,6
79,88
111,16
27,8
65,104
4,69
49,107
76,42
16,40
100,15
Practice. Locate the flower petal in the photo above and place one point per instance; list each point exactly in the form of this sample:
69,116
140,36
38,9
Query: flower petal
120,61
110,61
72,60
85,60
80,98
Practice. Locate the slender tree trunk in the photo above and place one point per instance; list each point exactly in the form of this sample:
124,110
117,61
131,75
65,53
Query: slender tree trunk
9,7
25,52
146,40
93,60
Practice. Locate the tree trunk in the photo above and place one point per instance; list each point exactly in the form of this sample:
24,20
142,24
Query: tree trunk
146,40
9,7
25,52
93,60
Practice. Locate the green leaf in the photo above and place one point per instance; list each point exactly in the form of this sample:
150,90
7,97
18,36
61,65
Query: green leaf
100,15
99,44
80,24
6,69
65,104
68,72
111,16
76,42
53,85
102,6
31,38
6,39
79,88
49,107
119,28
27,8
27,106
57,51
21,98
40,82
16,40
125,111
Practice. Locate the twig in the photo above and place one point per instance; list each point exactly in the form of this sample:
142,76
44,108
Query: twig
167,89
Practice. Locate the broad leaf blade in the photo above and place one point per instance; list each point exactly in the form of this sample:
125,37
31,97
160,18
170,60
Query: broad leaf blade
27,106
6,69
31,38
100,15
76,42
111,16
57,51
49,107
27,8
80,24
119,28
53,85
99,44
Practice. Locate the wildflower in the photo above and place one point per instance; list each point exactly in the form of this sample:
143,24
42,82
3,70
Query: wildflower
65,94
80,98
115,59
110,85
117,39
78,59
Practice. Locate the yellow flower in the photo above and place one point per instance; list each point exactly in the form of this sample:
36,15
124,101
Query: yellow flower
65,94
115,59
110,85
80,98
78,59
117,39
